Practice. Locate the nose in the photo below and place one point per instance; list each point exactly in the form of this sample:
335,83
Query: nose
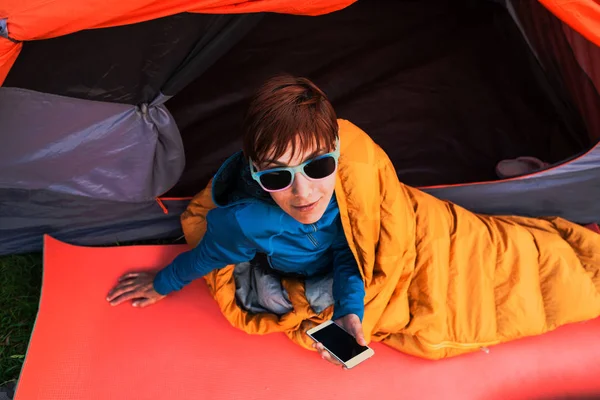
301,187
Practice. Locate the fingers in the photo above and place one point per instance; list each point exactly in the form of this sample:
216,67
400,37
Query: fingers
130,275
135,284
141,303
119,290
352,324
357,331
360,339
125,297
126,284
325,355
329,358
126,292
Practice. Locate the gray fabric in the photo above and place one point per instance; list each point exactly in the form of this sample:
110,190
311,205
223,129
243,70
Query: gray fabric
259,289
570,191
102,150
7,392
4,31
3,28
319,292
511,11
26,215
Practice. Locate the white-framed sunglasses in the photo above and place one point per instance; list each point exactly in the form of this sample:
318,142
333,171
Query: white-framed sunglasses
281,178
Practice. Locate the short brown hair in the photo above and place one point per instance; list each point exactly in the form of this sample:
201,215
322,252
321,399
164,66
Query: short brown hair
288,110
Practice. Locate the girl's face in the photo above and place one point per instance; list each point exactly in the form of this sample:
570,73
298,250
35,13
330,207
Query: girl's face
306,199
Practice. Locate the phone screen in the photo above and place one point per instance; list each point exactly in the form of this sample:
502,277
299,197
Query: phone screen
339,342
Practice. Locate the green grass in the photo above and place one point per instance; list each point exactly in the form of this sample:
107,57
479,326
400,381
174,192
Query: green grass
20,284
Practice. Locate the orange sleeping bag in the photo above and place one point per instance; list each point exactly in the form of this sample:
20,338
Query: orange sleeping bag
440,280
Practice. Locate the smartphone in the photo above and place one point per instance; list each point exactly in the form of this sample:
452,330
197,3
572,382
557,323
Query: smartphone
340,344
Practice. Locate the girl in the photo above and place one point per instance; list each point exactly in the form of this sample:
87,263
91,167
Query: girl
283,206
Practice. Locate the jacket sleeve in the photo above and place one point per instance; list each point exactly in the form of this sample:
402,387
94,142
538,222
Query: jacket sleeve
223,244
348,286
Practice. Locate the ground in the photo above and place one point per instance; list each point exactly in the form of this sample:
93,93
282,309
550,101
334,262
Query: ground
20,283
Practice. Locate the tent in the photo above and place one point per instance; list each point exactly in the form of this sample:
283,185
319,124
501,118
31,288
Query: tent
114,113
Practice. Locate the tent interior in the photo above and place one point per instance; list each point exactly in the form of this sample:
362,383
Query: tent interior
447,88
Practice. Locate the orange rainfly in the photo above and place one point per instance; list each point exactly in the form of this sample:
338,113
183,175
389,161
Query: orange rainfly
40,19
581,15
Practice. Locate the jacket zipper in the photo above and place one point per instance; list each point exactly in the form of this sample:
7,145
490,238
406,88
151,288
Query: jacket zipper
312,239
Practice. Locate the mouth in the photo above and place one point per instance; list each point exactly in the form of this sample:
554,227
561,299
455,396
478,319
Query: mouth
306,207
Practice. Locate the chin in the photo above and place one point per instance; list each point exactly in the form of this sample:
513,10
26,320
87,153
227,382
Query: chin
308,218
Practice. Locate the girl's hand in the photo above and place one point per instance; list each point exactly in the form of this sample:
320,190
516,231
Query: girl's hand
136,286
351,323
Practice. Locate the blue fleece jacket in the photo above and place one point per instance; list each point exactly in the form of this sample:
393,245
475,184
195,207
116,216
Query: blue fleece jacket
248,224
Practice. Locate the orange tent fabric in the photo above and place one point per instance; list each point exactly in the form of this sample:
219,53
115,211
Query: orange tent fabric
581,15
9,51
39,19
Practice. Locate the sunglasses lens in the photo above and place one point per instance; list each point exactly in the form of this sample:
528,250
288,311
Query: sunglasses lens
320,168
276,180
